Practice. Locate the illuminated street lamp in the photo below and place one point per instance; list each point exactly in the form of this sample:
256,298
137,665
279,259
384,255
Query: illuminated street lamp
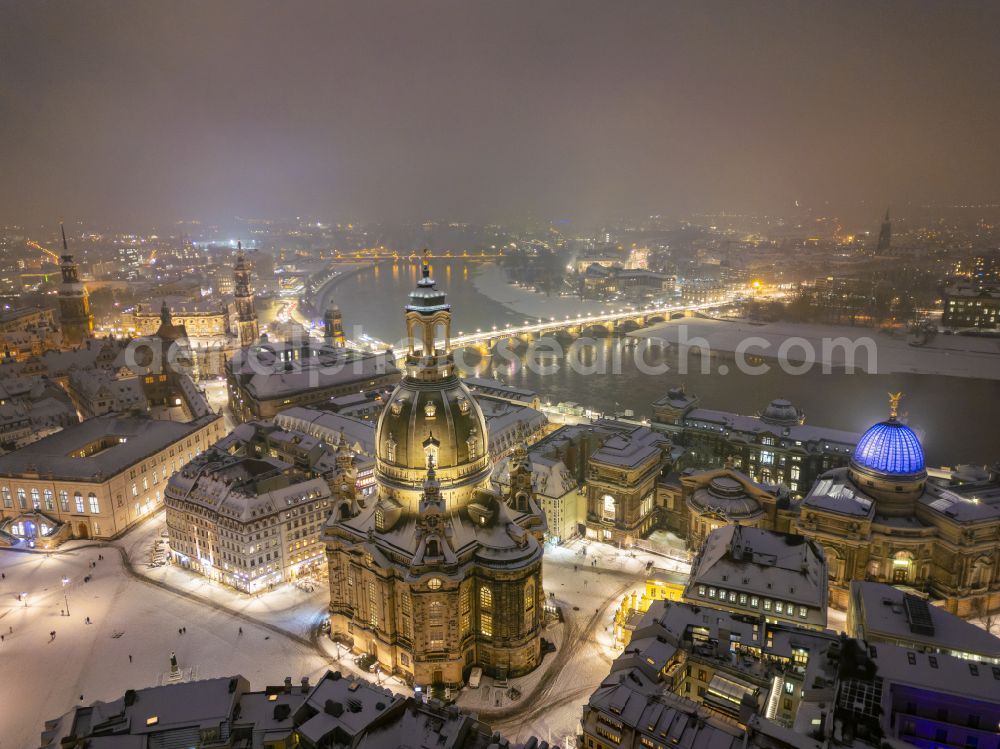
24,597
65,582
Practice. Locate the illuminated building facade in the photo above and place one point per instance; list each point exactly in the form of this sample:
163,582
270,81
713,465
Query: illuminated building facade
437,573
880,519
775,446
249,511
95,479
247,327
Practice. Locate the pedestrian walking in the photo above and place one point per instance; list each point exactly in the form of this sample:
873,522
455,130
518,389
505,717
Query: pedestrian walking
1,638
129,657
179,631
241,630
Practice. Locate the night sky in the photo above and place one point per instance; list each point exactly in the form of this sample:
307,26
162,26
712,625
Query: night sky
500,110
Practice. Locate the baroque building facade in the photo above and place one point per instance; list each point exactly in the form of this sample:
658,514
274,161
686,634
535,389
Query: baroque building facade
437,573
882,519
775,446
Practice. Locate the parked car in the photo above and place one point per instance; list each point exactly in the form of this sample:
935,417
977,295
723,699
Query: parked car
475,676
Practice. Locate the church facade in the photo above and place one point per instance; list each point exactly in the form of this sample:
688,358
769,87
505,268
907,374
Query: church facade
437,573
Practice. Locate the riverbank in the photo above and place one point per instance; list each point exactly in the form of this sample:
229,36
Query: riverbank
835,347
345,272
490,280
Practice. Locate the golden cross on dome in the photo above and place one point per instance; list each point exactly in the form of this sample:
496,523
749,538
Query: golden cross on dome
894,399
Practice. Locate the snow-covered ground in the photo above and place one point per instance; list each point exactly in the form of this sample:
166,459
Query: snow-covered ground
288,607
588,596
141,618
45,676
950,355
491,280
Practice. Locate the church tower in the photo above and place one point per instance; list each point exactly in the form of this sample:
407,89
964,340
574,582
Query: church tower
246,316
333,326
884,235
74,303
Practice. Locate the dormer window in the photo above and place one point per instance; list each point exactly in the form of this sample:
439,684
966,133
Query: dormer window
390,449
473,444
430,409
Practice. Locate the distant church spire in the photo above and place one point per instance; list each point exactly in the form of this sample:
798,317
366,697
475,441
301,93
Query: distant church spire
247,327
884,235
75,318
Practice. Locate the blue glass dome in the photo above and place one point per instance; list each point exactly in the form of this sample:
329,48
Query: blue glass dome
890,447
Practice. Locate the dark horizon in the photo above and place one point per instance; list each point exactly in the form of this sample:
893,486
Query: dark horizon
149,112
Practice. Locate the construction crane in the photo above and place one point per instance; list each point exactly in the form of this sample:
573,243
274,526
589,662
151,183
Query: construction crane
33,244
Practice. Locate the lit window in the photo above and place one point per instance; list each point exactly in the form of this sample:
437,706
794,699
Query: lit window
486,624
608,507
94,505
485,598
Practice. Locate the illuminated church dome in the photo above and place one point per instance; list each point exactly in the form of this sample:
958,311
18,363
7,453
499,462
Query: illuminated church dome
431,418
439,573
888,464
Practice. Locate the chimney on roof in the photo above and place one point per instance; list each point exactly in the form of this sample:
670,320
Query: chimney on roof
288,684
305,684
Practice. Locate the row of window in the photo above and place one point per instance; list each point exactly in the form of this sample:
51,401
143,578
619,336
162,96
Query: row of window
751,601
46,497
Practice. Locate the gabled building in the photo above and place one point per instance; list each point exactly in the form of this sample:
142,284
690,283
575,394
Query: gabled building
779,577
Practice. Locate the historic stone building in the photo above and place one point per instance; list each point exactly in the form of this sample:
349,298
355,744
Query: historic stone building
75,317
621,485
774,447
249,511
437,573
881,519
694,504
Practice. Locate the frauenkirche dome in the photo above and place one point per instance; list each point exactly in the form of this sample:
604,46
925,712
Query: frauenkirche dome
431,418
